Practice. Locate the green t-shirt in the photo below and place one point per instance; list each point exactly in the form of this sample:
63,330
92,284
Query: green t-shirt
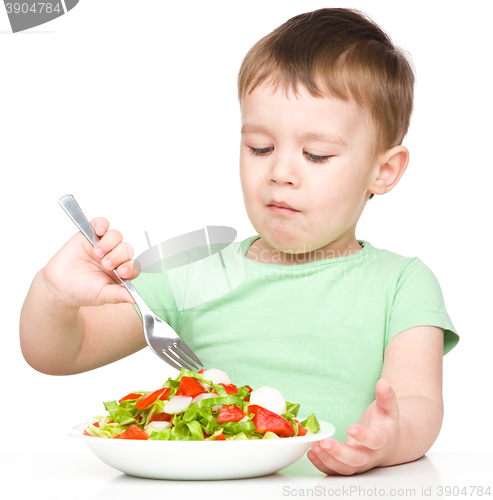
317,332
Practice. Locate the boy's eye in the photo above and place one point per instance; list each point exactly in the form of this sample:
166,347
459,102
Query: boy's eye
309,156
317,159
260,151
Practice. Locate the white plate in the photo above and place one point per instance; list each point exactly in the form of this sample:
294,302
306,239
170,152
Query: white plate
199,460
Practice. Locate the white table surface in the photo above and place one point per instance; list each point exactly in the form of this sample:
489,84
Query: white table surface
81,475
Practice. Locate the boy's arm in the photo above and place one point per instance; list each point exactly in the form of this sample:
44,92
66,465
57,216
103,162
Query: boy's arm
60,340
404,421
413,365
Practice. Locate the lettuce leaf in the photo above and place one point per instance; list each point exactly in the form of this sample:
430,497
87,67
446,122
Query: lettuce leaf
311,424
292,408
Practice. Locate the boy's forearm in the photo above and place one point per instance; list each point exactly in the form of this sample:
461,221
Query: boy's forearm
420,421
50,332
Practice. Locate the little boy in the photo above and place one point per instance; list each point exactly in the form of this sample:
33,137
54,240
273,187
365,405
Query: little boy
327,319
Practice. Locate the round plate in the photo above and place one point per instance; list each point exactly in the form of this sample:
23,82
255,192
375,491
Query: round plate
201,460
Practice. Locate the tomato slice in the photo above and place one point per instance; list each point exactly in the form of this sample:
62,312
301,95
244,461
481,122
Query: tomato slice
301,430
220,437
133,432
165,394
161,417
191,387
247,397
230,388
132,395
85,433
266,420
202,371
230,413
147,400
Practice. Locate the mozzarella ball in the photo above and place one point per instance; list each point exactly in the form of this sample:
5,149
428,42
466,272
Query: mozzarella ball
216,376
269,398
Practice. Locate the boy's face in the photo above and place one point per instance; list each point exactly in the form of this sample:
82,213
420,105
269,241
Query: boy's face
289,165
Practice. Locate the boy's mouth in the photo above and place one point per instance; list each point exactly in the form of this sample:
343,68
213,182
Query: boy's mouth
281,204
281,208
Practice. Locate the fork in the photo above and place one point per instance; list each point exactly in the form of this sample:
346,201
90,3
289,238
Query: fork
159,335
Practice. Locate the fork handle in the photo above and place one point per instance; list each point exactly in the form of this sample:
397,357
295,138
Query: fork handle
73,210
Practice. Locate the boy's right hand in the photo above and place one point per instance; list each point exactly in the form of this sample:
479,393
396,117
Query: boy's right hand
77,276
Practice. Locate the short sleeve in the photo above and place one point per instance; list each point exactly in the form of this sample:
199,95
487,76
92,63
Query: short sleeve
418,301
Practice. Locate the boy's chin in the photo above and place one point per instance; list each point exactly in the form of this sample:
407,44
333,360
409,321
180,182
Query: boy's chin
298,248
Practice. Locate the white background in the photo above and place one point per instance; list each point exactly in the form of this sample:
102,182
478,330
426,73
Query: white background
132,108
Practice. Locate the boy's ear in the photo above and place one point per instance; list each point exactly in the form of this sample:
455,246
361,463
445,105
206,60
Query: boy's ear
390,168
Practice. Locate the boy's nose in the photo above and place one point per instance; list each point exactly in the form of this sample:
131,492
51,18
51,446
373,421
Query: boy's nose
284,172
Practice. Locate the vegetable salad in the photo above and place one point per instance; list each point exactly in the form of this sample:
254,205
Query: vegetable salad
201,406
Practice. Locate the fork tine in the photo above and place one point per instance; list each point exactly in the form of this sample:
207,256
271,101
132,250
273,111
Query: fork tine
175,350
189,352
164,356
172,354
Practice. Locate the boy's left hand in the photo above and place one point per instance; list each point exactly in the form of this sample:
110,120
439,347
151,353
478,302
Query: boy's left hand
375,440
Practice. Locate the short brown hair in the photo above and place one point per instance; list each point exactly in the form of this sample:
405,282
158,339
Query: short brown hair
349,56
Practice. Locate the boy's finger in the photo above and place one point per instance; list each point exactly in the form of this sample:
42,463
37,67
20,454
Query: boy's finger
108,242
115,294
373,438
121,254
127,297
100,225
315,460
127,271
347,456
331,462
386,398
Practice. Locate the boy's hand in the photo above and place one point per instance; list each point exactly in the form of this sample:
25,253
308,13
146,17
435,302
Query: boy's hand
375,440
77,276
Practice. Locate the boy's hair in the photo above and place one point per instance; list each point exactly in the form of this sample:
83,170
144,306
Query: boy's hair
338,53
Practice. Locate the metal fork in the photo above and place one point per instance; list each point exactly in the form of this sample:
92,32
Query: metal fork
160,337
